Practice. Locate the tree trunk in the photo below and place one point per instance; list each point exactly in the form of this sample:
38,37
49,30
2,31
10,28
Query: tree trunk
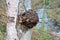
12,10
23,35
27,35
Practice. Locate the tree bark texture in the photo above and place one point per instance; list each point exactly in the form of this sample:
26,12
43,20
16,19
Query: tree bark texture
12,11
26,34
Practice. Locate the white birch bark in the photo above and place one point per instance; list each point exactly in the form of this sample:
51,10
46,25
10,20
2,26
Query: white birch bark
12,10
21,9
25,35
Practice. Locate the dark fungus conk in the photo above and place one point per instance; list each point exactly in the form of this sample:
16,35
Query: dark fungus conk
28,18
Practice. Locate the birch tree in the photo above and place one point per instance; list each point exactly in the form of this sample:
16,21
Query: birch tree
12,10
23,35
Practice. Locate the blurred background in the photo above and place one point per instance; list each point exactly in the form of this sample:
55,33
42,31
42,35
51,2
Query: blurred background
48,27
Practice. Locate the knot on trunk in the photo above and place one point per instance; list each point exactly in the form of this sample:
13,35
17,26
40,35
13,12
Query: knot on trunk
28,18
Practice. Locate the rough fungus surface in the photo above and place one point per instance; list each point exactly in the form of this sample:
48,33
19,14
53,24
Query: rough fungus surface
28,18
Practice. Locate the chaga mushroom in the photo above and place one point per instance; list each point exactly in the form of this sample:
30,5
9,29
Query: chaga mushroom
28,18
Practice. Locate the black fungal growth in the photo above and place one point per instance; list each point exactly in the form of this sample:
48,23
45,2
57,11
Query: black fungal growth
28,19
